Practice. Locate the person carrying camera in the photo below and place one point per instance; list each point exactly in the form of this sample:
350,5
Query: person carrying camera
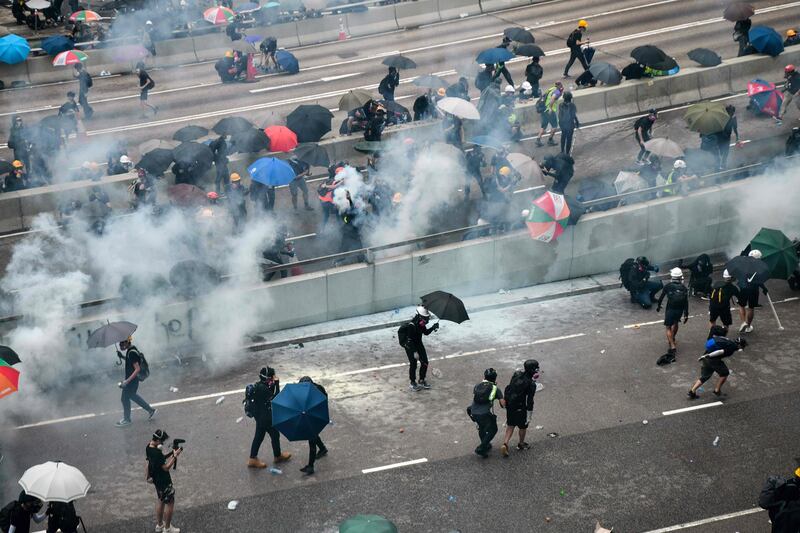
266,389
157,473
781,498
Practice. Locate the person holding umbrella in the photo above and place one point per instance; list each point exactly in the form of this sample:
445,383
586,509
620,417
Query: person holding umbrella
724,137
388,84
264,391
84,84
790,87
410,336
316,448
574,43
134,364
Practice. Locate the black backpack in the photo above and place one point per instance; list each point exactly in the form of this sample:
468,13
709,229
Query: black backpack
404,333
679,295
516,389
541,103
483,392
625,271
249,401
144,366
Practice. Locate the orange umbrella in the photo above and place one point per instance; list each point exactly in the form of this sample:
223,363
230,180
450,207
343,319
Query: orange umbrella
281,138
9,380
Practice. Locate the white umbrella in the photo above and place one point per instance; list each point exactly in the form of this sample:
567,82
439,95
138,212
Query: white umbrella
459,107
54,482
527,167
664,148
629,181
37,4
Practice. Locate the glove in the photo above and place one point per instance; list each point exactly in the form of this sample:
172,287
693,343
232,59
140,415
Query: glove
765,291
658,309
436,326
685,319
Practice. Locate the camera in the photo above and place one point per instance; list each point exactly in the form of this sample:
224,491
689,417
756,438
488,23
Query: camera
176,443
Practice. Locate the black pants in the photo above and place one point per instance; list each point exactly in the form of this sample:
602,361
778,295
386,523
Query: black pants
84,102
264,426
412,361
295,185
566,140
314,445
724,150
643,153
487,429
223,178
575,53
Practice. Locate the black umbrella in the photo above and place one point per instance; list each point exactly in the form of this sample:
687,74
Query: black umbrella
396,111
430,81
191,278
313,154
605,72
399,61
738,11
111,333
9,356
57,123
252,140
192,153
189,133
520,35
5,166
309,122
705,57
445,306
231,125
748,269
653,57
529,50
156,161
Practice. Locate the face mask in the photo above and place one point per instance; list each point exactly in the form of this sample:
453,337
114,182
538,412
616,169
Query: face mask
536,375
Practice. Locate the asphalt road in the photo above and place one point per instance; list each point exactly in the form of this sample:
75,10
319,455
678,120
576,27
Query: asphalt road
600,385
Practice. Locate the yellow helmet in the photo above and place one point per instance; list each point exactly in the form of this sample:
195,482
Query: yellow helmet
17,164
583,24
791,33
229,53
235,177
441,92
504,171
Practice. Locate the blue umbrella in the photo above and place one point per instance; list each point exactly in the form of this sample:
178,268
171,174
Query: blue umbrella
494,55
487,141
766,40
271,171
13,49
56,45
253,39
287,61
300,411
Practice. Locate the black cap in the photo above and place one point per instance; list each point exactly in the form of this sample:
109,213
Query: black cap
306,379
266,372
642,260
531,366
490,374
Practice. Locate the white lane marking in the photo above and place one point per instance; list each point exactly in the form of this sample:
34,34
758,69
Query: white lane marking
301,83
692,408
372,369
643,324
340,76
705,521
57,421
639,324
197,398
395,465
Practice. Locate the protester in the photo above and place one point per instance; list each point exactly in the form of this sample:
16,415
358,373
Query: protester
792,38
635,276
519,404
781,498
677,304
485,78
237,201
84,84
718,347
233,29
748,298
264,391
724,137
123,165
274,251
676,176
475,163
574,43
633,71
388,84
741,34
414,330
568,121
460,89
148,38
220,149
316,448
17,515
146,84
533,75
18,141
561,167
452,130
793,142
225,68
269,47
719,304
547,106
157,473
135,365
62,517
642,129
482,410
301,170
424,106
17,179
586,79
790,88
68,111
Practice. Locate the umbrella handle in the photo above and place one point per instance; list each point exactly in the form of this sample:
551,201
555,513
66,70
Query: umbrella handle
774,313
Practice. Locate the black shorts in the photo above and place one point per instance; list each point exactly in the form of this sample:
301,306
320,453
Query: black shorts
166,494
722,313
711,365
549,118
672,317
748,297
143,94
517,418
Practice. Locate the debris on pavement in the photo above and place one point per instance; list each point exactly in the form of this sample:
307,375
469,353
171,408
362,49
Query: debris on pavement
220,400
552,435
233,504
239,419
539,427
173,389
451,499
716,441
402,430
645,422
436,373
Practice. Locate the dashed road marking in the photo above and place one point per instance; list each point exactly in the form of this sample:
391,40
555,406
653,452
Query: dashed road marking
705,521
395,465
692,408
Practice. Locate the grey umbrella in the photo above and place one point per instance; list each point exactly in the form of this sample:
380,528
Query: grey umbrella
111,333
605,72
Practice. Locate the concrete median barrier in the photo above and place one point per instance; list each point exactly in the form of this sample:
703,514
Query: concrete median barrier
439,271
591,104
18,72
315,31
488,6
375,20
455,9
621,99
417,13
347,294
653,93
684,87
715,81
176,52
744,69
10,212
392,281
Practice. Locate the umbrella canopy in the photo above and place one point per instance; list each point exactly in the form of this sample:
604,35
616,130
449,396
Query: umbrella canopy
192,153
429,81
218,15
494,55
353,99
459,107
253,39
395,110
57,44
287,61
748,270
313,154
281,138
13,49
653,57
8,356
664,148
777,251
765,97
231,125
766,40
300,411
707,117
110,334
605,72
519,35
526,167
705,57
9,381
445,306
70,57
529,50
253,140
367,523
191,278
370,147
5,167
548,218
243,46
37,4
399,62
738,11
628,182
487,141
55,481
85,16
186,195
156,161
309,122
271,171
129,53
152,144
189,133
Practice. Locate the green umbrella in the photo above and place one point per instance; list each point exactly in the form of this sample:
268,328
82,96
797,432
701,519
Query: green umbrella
777,251
707,117
367,523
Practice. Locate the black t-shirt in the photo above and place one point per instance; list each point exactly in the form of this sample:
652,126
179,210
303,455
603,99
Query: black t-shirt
156,459
145,81
131,357
84,81
21,519
298,166
574,37
646,124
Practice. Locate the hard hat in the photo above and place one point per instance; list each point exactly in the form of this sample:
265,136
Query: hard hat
397,198
676,273
235,177
788,69
228,53
526,86
755,253
504,171
797,473
423,311
441,92
791,33
679,163
17,164
525,213
583,24
124,159
509,89
338,170
212,195
726,274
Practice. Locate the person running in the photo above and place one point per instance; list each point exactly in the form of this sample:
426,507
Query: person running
748,298
677,305
414,347
568,121
134,364
267,387
146,84
790,88
574,43
547,106
316,448
519,404
642,129
482,410
84,84
719,305
717,348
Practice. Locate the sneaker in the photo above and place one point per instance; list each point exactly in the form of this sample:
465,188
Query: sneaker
539,142
504,450
309,208
424,385
282,458
717,393
307,470
322,453
414,387
255,462
692,395
152,414
523,446
482,453
159,528
122,423
566,76
743,327
749,329
551,141
172,529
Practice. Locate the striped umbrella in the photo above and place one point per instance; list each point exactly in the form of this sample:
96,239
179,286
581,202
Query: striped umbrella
85,16
218,15
548,217
70,57
9,380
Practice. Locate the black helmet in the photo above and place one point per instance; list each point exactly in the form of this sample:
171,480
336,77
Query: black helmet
490,374
652,111
642,260
531,366
306,379
718,331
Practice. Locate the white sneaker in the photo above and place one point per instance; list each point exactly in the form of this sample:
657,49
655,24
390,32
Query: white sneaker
159,528
743,327
172,529
749,329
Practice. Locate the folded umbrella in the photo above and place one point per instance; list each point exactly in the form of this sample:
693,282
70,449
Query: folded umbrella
312,154
738,11
370,147
9,381
281,138
705,57
57,44
605,72
152,144
459,107
765,97
354,99
399,62
191,278
250,141
309,122
271,171
286,61
529,50
86,15
9,356
653,57
231,125
55,481
445,306
519,35
777,251
526,167
186,195
156,161
494,55
110,334
429,81
707,117
300,411
766,40
664,148
13,49
218,15
189,133
367,523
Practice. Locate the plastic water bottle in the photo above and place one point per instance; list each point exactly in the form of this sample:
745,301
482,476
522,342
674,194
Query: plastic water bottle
275,471
173,389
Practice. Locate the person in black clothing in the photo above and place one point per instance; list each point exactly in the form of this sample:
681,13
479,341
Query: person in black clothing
232,31
452,129
157,473
519,404
301,170
677,305
225,68
792,38
724,137
475,162
568,122
237,200
220,149
781,498
485,77
18,514
388,84
574,43
373,128
316,448
790,88
266,389
700,269
84,84
130,385
717,348
501,70
561,167
748,298
719,304
62,517
641,131
741,34
424,107
18,141
792,142
146,84
638,282
533,75
274,252
633,71
482,410
586,80
68,111
415,346
459,89
269,47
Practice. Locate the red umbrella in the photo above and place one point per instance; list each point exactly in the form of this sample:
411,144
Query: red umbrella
281,138
548,217
9,380
765,97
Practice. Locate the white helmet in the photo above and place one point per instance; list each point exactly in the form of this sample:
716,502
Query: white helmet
676,273
526,86
525,213
726,274
125,160
755,253
509,89
423,311
149,23
679,163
